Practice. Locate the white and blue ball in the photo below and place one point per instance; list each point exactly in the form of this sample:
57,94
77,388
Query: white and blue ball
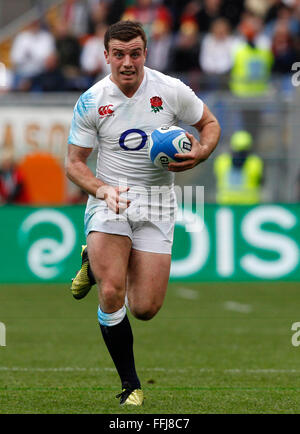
165,142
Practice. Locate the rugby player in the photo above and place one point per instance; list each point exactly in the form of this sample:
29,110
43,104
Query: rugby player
128,252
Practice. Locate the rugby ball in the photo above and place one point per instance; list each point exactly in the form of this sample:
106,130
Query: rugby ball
164,143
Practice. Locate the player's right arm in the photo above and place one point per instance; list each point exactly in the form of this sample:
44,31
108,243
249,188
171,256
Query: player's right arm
81,142
78,172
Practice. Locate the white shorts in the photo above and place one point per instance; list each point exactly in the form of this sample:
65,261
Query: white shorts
148,221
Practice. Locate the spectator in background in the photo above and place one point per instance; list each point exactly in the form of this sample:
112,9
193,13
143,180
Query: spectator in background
191,12
232,10
204,12
50,80
12,189
210,11
68,52
160,44
176,8
216,57
238,173
92,59
272,10
146,12
116,10
30,53
186,47
257,7
283,48
251,71
207,11
6,79
252,59
251,31
98,14
277,7
75,15
283,13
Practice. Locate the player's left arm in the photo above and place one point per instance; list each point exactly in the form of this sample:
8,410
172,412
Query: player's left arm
209,131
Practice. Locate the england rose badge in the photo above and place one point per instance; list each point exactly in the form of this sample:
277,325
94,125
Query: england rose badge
156,104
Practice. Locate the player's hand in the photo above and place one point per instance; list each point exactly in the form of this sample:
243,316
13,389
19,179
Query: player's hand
113,198
190,159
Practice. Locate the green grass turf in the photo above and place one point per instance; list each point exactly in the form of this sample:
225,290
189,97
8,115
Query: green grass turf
195,356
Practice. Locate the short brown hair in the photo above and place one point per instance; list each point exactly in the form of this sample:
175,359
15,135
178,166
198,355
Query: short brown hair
124,31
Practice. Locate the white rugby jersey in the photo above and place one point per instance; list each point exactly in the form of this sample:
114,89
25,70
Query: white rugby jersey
120,126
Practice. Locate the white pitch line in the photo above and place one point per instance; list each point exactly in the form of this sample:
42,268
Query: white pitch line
187,293
155,369
77,369
237,307
262,371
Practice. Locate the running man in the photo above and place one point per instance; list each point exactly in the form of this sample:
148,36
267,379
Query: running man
129,258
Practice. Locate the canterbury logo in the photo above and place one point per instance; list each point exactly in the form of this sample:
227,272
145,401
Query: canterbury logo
105,110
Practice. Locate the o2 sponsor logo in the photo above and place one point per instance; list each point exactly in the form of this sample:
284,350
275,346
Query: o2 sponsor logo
129,140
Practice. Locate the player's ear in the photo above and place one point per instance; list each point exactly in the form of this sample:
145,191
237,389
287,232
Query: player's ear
106,57
145,53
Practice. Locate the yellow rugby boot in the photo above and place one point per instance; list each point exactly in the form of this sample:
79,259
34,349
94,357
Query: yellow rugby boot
84,279
131,397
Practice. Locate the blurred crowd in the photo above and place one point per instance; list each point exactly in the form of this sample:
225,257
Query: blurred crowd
238,45
186,36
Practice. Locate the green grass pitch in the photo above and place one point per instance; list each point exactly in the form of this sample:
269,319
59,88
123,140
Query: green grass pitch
213,348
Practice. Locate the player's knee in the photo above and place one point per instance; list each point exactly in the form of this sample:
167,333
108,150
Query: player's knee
146,312
143,315
111,291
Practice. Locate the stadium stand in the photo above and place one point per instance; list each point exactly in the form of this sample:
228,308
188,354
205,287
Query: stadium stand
188,33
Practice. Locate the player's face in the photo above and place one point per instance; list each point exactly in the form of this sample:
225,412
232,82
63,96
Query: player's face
127,61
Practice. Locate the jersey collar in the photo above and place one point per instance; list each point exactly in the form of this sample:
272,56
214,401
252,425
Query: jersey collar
115,90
